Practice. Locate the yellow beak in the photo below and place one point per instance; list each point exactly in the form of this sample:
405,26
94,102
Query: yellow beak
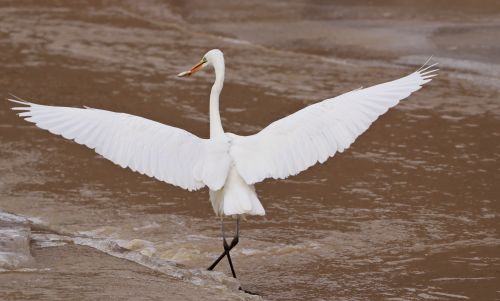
193,70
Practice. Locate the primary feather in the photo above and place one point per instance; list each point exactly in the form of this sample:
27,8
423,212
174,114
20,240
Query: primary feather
164,152
315,133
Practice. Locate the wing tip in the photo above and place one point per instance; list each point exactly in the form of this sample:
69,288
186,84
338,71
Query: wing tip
20,101
428,71
425,64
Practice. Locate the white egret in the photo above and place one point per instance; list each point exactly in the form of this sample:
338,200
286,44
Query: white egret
228,164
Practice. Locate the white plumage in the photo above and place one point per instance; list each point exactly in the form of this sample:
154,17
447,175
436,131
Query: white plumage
315,133
166,153
227,163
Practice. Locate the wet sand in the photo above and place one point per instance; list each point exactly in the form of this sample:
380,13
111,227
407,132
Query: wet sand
409,212
73,272
37,264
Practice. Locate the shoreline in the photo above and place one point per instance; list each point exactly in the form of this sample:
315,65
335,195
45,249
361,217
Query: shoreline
63,272
59,267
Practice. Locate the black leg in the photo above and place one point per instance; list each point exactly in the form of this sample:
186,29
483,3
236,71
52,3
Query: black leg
227,247
226,250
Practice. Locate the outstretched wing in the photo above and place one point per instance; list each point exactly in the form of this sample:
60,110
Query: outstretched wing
164,152
315,133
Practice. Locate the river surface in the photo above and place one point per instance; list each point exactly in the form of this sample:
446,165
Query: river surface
410,212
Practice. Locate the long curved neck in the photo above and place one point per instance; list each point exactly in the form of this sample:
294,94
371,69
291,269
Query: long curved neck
215,121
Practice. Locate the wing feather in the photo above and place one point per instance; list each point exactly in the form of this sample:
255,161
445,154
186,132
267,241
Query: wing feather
164,152
317,132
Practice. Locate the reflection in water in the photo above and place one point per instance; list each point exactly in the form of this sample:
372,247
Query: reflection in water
408,212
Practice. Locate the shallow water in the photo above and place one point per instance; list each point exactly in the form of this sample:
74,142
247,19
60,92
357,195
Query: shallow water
410,211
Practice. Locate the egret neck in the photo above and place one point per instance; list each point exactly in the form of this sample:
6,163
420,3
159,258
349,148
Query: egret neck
215,121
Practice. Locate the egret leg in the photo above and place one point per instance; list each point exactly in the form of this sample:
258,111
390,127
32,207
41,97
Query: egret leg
228,247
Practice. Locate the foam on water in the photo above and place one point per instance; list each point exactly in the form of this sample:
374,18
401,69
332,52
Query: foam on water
144,253
15,236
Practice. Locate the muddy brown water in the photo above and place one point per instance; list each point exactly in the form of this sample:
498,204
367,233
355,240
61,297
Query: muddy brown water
409,212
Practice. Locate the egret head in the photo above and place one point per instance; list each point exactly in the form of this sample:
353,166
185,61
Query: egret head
212,58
